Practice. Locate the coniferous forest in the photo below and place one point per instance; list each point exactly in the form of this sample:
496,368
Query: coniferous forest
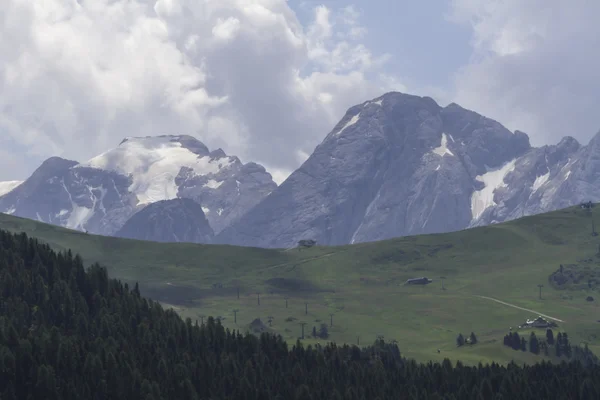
71,333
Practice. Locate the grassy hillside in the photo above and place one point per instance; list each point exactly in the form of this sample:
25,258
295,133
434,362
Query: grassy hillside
362,285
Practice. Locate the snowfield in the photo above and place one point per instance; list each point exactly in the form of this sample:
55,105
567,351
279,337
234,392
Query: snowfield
493,179
154,163
442,150
351,122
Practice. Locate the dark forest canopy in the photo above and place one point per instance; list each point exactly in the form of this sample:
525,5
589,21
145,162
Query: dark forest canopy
68,333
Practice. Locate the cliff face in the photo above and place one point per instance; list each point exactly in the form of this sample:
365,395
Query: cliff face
177,220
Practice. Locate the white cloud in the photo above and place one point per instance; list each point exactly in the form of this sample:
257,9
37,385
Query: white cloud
226,29
78,76
535,65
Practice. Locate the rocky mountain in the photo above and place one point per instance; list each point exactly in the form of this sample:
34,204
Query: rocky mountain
100,195
176,220
403,165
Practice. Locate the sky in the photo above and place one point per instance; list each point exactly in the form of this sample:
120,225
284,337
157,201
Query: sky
267,80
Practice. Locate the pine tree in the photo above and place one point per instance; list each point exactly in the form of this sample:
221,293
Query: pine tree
588,390
460,340
473,338
516,341
534,346
323,331
486,390
549,336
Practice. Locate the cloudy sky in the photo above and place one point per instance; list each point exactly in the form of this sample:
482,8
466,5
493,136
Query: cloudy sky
268,79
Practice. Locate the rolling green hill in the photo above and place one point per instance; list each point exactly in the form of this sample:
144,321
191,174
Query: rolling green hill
491,277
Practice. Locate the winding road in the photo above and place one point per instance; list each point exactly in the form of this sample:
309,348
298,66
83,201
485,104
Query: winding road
520,308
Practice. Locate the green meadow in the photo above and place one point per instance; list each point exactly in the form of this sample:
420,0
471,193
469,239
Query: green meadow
358,290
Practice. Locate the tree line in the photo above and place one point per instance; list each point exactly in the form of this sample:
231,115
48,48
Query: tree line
71,333
551,346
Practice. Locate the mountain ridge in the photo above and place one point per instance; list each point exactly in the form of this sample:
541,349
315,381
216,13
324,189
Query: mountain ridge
100,195
401,165
395,165
174,220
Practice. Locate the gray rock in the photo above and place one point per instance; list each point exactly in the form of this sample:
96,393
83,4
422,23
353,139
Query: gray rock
100,195
177,220
393,166
402,165
77,198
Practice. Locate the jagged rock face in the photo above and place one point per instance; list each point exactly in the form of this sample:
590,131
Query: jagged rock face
402,165
177,220
541,180
393,166
102,194
77,198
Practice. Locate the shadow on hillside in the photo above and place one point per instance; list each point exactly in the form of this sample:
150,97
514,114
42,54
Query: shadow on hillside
184,295
294,285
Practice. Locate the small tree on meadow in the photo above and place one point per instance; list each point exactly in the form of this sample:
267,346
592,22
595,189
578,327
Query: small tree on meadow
549,336
323,331
460,340
473,338
534,345
515,341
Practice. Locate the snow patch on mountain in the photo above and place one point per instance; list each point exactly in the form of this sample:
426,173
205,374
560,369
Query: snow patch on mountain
540,181
351,122
443,148
493,179
8,186
154,163
212,184
79,216
378,102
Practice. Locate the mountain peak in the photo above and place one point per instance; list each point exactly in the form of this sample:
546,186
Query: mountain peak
595,140
397,164
175,220
154,163
569,142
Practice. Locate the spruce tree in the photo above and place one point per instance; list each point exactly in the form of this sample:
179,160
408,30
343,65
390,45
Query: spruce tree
486,390
534,346
549,336
473,338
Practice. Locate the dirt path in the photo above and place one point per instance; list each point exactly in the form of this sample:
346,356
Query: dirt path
520,308
304,260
